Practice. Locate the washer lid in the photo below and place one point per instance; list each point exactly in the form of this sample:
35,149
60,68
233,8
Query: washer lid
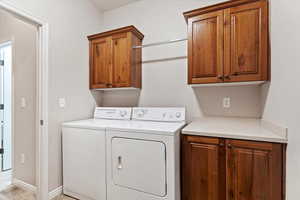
97,124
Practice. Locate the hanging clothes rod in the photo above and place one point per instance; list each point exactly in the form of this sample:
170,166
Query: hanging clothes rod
159,43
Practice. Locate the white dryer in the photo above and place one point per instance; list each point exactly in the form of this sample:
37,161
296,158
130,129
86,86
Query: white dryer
84,153
143,155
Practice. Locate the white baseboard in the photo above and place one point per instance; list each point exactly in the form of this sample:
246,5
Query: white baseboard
56,192
24,185
31,188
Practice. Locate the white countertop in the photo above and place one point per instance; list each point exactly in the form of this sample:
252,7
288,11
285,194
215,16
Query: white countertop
237,128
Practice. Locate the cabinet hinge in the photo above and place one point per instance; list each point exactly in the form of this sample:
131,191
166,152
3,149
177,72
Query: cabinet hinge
2,62
41,122
1,149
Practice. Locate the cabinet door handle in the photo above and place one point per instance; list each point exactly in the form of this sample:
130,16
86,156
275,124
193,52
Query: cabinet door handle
97,50
227,77
235,74
120,163
221,144
229,146
231,194
221,77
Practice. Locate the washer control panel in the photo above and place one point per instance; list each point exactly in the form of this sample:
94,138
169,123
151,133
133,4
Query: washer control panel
172,114
112,113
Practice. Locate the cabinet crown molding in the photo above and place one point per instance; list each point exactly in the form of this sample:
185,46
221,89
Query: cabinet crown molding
125,29
215,7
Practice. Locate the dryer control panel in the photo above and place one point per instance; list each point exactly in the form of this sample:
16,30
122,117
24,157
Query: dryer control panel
172,114
113,113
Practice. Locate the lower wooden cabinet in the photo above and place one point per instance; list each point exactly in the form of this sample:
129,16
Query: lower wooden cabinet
225,169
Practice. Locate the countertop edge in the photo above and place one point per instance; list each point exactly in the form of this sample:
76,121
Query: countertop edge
232,136
280,133
274,128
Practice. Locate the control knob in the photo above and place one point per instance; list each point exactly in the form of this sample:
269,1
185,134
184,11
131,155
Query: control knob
141,113
123,113
178,115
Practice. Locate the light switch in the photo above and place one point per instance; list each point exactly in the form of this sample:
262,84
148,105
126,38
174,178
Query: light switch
23,102
22,158
62,102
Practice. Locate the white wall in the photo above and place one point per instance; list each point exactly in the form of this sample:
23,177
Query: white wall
282,96
165,83
24,64
69,23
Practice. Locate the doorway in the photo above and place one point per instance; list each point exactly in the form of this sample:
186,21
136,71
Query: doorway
41,128
5,115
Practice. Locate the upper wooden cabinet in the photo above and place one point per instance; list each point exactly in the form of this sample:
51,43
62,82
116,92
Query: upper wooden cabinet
228,42
113,61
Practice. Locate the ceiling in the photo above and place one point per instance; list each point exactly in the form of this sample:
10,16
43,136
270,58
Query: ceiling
104,5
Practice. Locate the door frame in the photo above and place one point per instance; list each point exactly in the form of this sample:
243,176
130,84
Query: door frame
41,95
11,42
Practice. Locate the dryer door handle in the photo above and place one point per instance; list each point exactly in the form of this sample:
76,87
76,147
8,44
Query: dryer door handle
120,163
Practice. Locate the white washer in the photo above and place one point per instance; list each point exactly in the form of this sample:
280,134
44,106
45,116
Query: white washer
84,153
143,155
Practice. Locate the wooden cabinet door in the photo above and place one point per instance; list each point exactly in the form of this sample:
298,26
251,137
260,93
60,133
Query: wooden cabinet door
203,169
100,63
121,60
254,170
246,42
205,48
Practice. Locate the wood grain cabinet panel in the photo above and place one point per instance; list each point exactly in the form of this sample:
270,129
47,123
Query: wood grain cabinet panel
206,48
246,46
113,61
100,53
228,42
121,60
202,169
255,170
225,169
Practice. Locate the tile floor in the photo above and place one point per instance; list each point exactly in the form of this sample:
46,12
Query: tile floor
5,179
9,192
15,193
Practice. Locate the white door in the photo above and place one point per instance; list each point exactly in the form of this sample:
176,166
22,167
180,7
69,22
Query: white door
5,106
139,165
84,163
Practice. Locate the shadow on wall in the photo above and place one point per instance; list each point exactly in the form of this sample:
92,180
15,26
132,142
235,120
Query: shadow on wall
121,98
97,96
264,96
245,101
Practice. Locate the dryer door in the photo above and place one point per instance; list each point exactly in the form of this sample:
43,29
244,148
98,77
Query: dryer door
139,165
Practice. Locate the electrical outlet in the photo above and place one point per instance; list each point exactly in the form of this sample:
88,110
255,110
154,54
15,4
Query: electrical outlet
22,158
226,102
